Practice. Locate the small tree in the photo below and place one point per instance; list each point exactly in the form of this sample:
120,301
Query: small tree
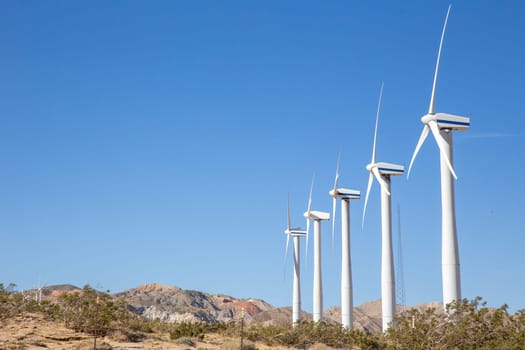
91,311
11,302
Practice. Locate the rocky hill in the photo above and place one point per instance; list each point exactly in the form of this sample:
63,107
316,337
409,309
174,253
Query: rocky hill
174,304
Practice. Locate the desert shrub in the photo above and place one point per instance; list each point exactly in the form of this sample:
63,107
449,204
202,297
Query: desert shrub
319,346
249,346
11,303
305,333
104,346
126,335
467,325
49,309
199,329
185,341
365,340
188,329
91,311
235,345
141,324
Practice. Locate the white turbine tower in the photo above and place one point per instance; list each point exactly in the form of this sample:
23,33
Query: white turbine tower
346,263
441,126
317,216
296,233
382,172
38,293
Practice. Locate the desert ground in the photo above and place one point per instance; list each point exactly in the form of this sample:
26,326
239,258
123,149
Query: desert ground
35,332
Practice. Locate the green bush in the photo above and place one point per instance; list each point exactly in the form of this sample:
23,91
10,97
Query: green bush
187,329
467,325
91,311
197,329
11,303
140,324
307,333
185,341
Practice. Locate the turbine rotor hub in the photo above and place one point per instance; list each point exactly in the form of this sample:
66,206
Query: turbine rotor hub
428,118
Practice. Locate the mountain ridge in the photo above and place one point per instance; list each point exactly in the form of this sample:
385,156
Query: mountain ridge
174,304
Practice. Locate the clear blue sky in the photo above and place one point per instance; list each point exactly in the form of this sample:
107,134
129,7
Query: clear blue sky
157,141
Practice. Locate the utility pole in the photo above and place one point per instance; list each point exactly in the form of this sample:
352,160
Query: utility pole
95,330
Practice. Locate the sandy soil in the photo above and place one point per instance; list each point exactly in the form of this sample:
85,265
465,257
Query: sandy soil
34,332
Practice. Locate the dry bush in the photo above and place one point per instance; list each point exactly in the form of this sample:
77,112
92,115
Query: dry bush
236,344
185,341
319,346
126,335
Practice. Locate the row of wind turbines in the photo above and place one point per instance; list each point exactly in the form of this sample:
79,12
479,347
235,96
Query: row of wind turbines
441,125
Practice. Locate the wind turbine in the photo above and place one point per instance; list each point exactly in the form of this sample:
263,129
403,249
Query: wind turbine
38,292
382,172
296,233
441,126
346,263
317,216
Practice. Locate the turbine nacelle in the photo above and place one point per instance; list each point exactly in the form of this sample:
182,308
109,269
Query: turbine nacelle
447,121
345,193
292,231
295,232
316,215
388,169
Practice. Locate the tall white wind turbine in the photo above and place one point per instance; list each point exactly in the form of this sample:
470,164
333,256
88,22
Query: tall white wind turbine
317,216
296,233
346,263
441,125
382,172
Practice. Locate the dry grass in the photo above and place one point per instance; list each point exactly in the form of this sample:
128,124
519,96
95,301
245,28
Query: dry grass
35,332
320,347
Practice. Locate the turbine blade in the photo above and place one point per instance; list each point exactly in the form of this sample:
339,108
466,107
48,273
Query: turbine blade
307,234
377,121
420,142
289,220
287,246
334,209
310,196
432,97
370,180
285,262
308,217
337,171
380,179
334,199
442,144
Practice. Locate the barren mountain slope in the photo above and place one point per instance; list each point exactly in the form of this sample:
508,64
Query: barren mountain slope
173,304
